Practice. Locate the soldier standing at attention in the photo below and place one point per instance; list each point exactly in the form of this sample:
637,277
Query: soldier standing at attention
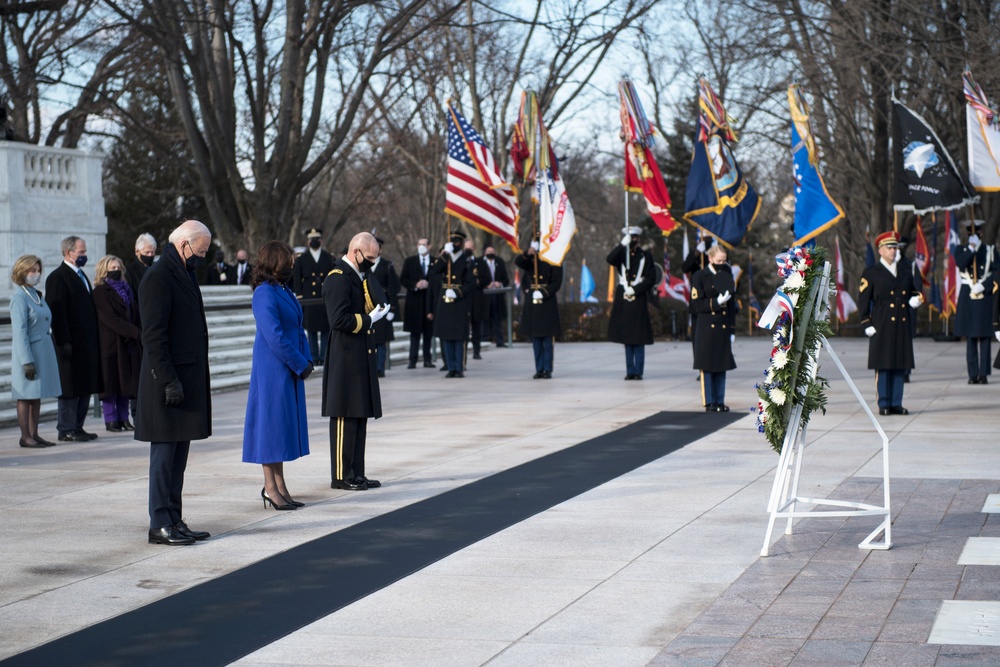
308,273
630,323
452,300
540,318
976,262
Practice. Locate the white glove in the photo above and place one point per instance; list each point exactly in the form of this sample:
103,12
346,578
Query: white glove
724,297
977,288
450,293
379,312
732,338
537,295
870,331
998,336
915,301
629,290
390,316
700,247
449,248
534,246
974,241
626,240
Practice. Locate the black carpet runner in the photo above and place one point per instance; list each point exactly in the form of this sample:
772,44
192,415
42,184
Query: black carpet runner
220,621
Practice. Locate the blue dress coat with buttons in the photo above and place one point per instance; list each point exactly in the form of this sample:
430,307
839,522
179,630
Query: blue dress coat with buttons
275,429
31,344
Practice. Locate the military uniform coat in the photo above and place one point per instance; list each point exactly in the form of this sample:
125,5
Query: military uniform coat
418,302
713,349
883,303
974,317
174,347
350,380
121,351
994,291
74,322
385,273
307,283
539,320
451,320
629,323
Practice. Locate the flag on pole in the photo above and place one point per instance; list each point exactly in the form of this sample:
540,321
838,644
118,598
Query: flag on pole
476,191
845,303
982,125
676,288
586,284
925,177
935,293
922,254
815,210
642,174
752,301
719,198
950,281
869,252
556,221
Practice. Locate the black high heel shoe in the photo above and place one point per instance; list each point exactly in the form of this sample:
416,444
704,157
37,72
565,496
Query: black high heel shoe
296,503
267,499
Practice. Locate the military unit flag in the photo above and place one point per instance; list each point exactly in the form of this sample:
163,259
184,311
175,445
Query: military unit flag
845,303
642,174
815,210
983,127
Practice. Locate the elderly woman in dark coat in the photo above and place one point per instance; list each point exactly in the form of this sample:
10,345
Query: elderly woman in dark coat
119,331
712,292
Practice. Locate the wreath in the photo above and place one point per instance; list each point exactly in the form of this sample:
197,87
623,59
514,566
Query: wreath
789,379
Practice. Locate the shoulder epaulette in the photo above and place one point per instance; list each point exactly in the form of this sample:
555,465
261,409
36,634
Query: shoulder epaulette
334,271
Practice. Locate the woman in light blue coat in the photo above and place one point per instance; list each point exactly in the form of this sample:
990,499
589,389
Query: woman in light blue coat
34,371
275,430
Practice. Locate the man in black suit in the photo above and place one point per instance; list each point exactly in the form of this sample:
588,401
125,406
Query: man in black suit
219,273
175,400
385,273
493,269
145,251
243,268
418,311
74,333
478,306
308,273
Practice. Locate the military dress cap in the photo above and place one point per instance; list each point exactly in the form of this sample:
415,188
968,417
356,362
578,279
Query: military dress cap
380,242
314,233
977,223
632,230
458,233
890,239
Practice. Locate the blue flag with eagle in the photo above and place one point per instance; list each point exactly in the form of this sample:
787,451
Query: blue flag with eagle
815,210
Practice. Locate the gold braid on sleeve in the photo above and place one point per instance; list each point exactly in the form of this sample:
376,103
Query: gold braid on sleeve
369,305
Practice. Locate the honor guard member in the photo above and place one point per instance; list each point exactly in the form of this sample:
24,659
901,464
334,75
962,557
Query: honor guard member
629,323
385,273
540,316
976,263
996,312
886,301
308,273
712,290
354,304
693,263
454,276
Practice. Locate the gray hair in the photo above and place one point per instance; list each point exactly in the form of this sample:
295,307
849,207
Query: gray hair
68,244
145,241
189,230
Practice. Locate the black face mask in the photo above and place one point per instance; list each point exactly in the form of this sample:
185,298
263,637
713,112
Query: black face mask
194,261
80,261
364,264
456,243
146,259
315,243
220,258
491,255
114,275
241,262
284,275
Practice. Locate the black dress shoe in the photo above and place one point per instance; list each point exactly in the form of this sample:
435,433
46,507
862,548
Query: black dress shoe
349,484
538,376
370,483
73,436
459,374
381,374
428,364
128,426
629,377
443,368
983,380
169,536
88,436
884,411
501,344
636,377
411,365
114,427
974,380
450,374
898,410
710,407
477,356
547,375
31,445
721,407
183,529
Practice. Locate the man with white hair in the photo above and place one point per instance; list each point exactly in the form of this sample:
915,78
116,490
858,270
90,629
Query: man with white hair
145,251
174,405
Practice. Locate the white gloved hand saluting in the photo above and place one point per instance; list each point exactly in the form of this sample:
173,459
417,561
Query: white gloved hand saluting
629,290
626,240
450,293
915,301
724,297
537,295
449,248
974,241
870,331
379,312
977,288
700,247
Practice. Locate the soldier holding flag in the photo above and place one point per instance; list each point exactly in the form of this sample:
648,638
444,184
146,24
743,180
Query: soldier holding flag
630,324
976,262
540,318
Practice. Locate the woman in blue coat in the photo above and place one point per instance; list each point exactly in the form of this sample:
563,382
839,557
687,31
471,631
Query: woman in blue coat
275,430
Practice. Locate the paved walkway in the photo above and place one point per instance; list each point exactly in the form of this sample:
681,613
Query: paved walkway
658,566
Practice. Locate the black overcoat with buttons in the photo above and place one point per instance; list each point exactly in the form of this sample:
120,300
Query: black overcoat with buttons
974,317
350,379
539,320
307,283
713,349
883,303
74,322
629,323
174,347
451,319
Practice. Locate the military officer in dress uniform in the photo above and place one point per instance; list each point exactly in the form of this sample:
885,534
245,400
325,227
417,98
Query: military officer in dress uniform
886,303
630,323
385,273
354,303
976,263
454,277
540,317
308,273
712,291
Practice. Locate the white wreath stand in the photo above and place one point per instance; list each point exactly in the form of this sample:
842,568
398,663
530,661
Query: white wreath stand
784,491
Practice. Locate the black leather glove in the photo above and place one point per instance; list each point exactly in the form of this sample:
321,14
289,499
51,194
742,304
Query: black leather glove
29,371
308,371
66,350
173,393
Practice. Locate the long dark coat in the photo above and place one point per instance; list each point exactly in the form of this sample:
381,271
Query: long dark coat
713,349
74,323
133,276
307,283
418,302
350,379
385,273
479,309
174,347
994,291
501,276
974,317
121,349
451,320
629,323
214,275
883,303
539,320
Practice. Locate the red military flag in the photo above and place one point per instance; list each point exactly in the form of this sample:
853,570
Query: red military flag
923,254
642,174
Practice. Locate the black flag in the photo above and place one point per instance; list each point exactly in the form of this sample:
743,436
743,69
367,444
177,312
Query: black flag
925,177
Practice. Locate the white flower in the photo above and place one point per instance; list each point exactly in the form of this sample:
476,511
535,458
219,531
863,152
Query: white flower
794,281
764,404
801,265
779,359
778,396
769,376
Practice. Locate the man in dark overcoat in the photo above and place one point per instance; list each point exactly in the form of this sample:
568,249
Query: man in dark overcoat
478,308
354,303
418,310
493,269
454,273
76,338
712,299
540,317
886,300
976,262
308,273
385,273
145,252
629,323
174,405
219,272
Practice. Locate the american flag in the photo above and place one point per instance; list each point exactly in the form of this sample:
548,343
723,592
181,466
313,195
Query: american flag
477,192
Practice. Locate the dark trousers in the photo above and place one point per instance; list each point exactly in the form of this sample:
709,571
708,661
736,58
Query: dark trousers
497,308
415,343
713,388
977,356
890,387
635,359
453,354
477,335
544,353
381,352
347,447
70,413
167,462
317,345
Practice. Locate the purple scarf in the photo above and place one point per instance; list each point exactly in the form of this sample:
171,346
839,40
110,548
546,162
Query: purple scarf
124,291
